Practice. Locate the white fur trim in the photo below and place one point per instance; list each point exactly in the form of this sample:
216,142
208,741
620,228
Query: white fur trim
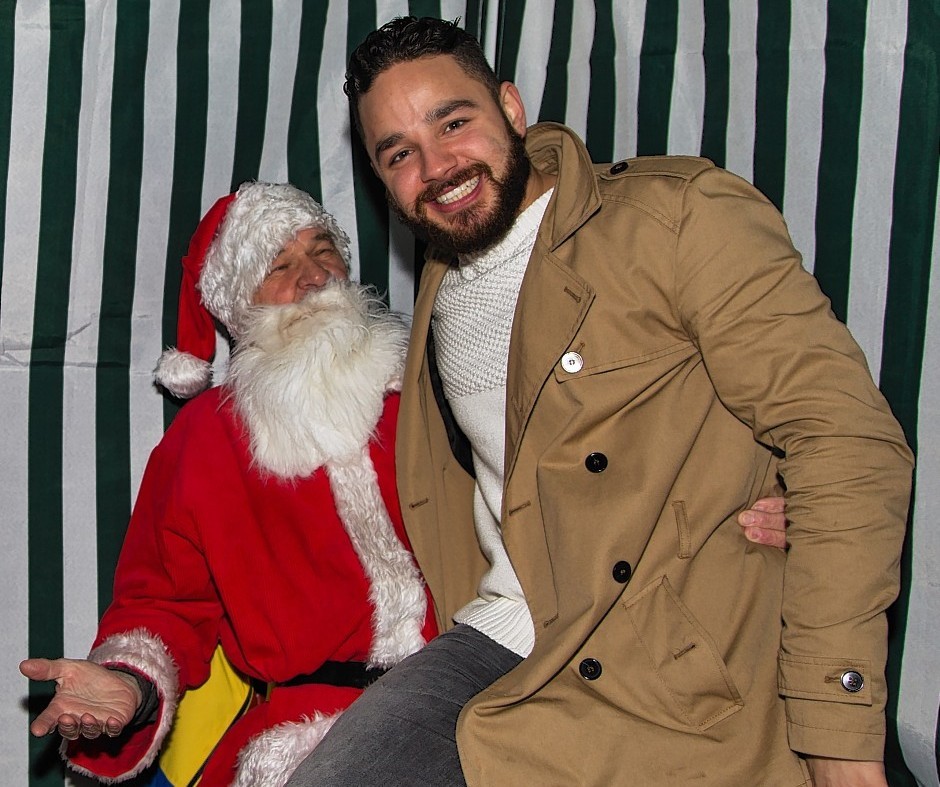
309,379
182,374
396,589
261,219
269,758
146,653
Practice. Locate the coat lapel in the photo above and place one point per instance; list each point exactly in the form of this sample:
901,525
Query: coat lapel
553,302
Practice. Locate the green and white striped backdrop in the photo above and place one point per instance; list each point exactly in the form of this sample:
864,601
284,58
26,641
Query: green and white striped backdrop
122,120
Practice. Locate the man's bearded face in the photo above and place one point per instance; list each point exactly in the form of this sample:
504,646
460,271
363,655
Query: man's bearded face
480,225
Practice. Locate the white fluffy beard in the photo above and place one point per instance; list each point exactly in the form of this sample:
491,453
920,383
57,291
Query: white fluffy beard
309,379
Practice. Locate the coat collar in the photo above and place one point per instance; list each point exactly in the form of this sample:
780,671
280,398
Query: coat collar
554,149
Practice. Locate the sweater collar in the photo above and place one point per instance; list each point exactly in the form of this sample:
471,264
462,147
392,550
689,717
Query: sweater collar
519,239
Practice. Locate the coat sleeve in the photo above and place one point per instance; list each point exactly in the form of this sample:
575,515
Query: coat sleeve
163,621
783,364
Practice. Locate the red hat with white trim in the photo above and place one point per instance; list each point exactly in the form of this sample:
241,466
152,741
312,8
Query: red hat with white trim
228,258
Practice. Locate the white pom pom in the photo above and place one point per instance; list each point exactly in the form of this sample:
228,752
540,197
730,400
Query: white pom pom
182,374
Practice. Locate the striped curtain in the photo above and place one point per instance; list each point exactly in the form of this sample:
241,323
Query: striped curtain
122,120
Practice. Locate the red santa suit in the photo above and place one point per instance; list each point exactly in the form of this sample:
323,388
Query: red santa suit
268,521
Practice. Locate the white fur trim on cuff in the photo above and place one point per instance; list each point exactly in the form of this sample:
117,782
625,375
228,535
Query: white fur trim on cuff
145,652
182,374
269,758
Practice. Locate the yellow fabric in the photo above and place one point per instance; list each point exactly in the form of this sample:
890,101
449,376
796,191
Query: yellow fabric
202,718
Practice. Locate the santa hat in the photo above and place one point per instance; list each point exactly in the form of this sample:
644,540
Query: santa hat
229,255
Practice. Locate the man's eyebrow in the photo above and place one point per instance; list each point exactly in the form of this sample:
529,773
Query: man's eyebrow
437,113
442,111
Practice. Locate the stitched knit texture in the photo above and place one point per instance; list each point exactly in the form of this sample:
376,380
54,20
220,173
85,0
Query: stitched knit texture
474,308
472,316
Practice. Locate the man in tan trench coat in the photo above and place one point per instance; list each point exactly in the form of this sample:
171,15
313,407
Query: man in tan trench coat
622,359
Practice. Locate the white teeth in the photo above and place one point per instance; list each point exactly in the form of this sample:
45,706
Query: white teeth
461,191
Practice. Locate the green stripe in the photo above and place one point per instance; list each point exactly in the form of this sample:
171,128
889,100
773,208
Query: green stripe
475,19
303,134
112,398
657,66
189,154
7,35
838,157
254,65
421,8
53,272
716,49
371,208
773,77
509,39
912,230
555,101
602,102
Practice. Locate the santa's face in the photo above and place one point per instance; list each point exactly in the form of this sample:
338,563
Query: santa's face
304,265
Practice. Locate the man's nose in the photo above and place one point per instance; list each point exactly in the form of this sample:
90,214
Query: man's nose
437,162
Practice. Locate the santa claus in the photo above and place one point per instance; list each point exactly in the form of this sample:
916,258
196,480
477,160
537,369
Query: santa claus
267,520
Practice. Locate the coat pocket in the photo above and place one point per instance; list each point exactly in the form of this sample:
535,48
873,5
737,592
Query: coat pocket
664,666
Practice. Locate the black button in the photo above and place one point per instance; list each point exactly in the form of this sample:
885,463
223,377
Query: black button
852,681
622,571
596,462
619,167
590,669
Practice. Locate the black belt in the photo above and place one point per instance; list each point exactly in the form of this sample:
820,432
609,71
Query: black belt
354,674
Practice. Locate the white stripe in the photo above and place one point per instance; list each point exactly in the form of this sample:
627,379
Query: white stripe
629,19
807,68
742,88
579,68
401,242
336,136
877,142
687,101
79,512
285,44
222,120
920,678
146,404
222,102
451,9
21,232
535,41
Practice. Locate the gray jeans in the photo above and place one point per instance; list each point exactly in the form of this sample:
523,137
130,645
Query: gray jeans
401,731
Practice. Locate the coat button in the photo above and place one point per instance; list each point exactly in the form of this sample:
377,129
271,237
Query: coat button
590,669
571,362
596,462
619,167
852,681
622,571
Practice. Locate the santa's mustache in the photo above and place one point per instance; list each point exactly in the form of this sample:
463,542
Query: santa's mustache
337,304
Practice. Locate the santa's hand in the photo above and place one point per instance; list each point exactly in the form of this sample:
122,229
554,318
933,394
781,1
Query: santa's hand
90,700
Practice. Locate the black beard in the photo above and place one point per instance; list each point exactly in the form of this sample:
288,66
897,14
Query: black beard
468,232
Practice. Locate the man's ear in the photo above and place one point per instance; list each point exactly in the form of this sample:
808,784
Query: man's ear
511,103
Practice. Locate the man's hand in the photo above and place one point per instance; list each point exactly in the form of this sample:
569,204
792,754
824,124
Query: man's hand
89,699
846,773
765,523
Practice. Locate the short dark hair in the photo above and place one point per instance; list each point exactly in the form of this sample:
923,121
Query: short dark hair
408,38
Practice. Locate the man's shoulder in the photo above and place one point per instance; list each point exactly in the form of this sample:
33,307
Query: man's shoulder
680,167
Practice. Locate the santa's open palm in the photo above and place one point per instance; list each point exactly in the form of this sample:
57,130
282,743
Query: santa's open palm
89,699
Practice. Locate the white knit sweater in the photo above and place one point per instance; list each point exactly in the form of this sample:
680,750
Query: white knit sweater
472,320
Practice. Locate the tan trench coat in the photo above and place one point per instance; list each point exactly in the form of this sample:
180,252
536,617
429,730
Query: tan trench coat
706,352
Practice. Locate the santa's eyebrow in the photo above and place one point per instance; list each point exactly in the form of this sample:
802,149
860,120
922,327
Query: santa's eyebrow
436,114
